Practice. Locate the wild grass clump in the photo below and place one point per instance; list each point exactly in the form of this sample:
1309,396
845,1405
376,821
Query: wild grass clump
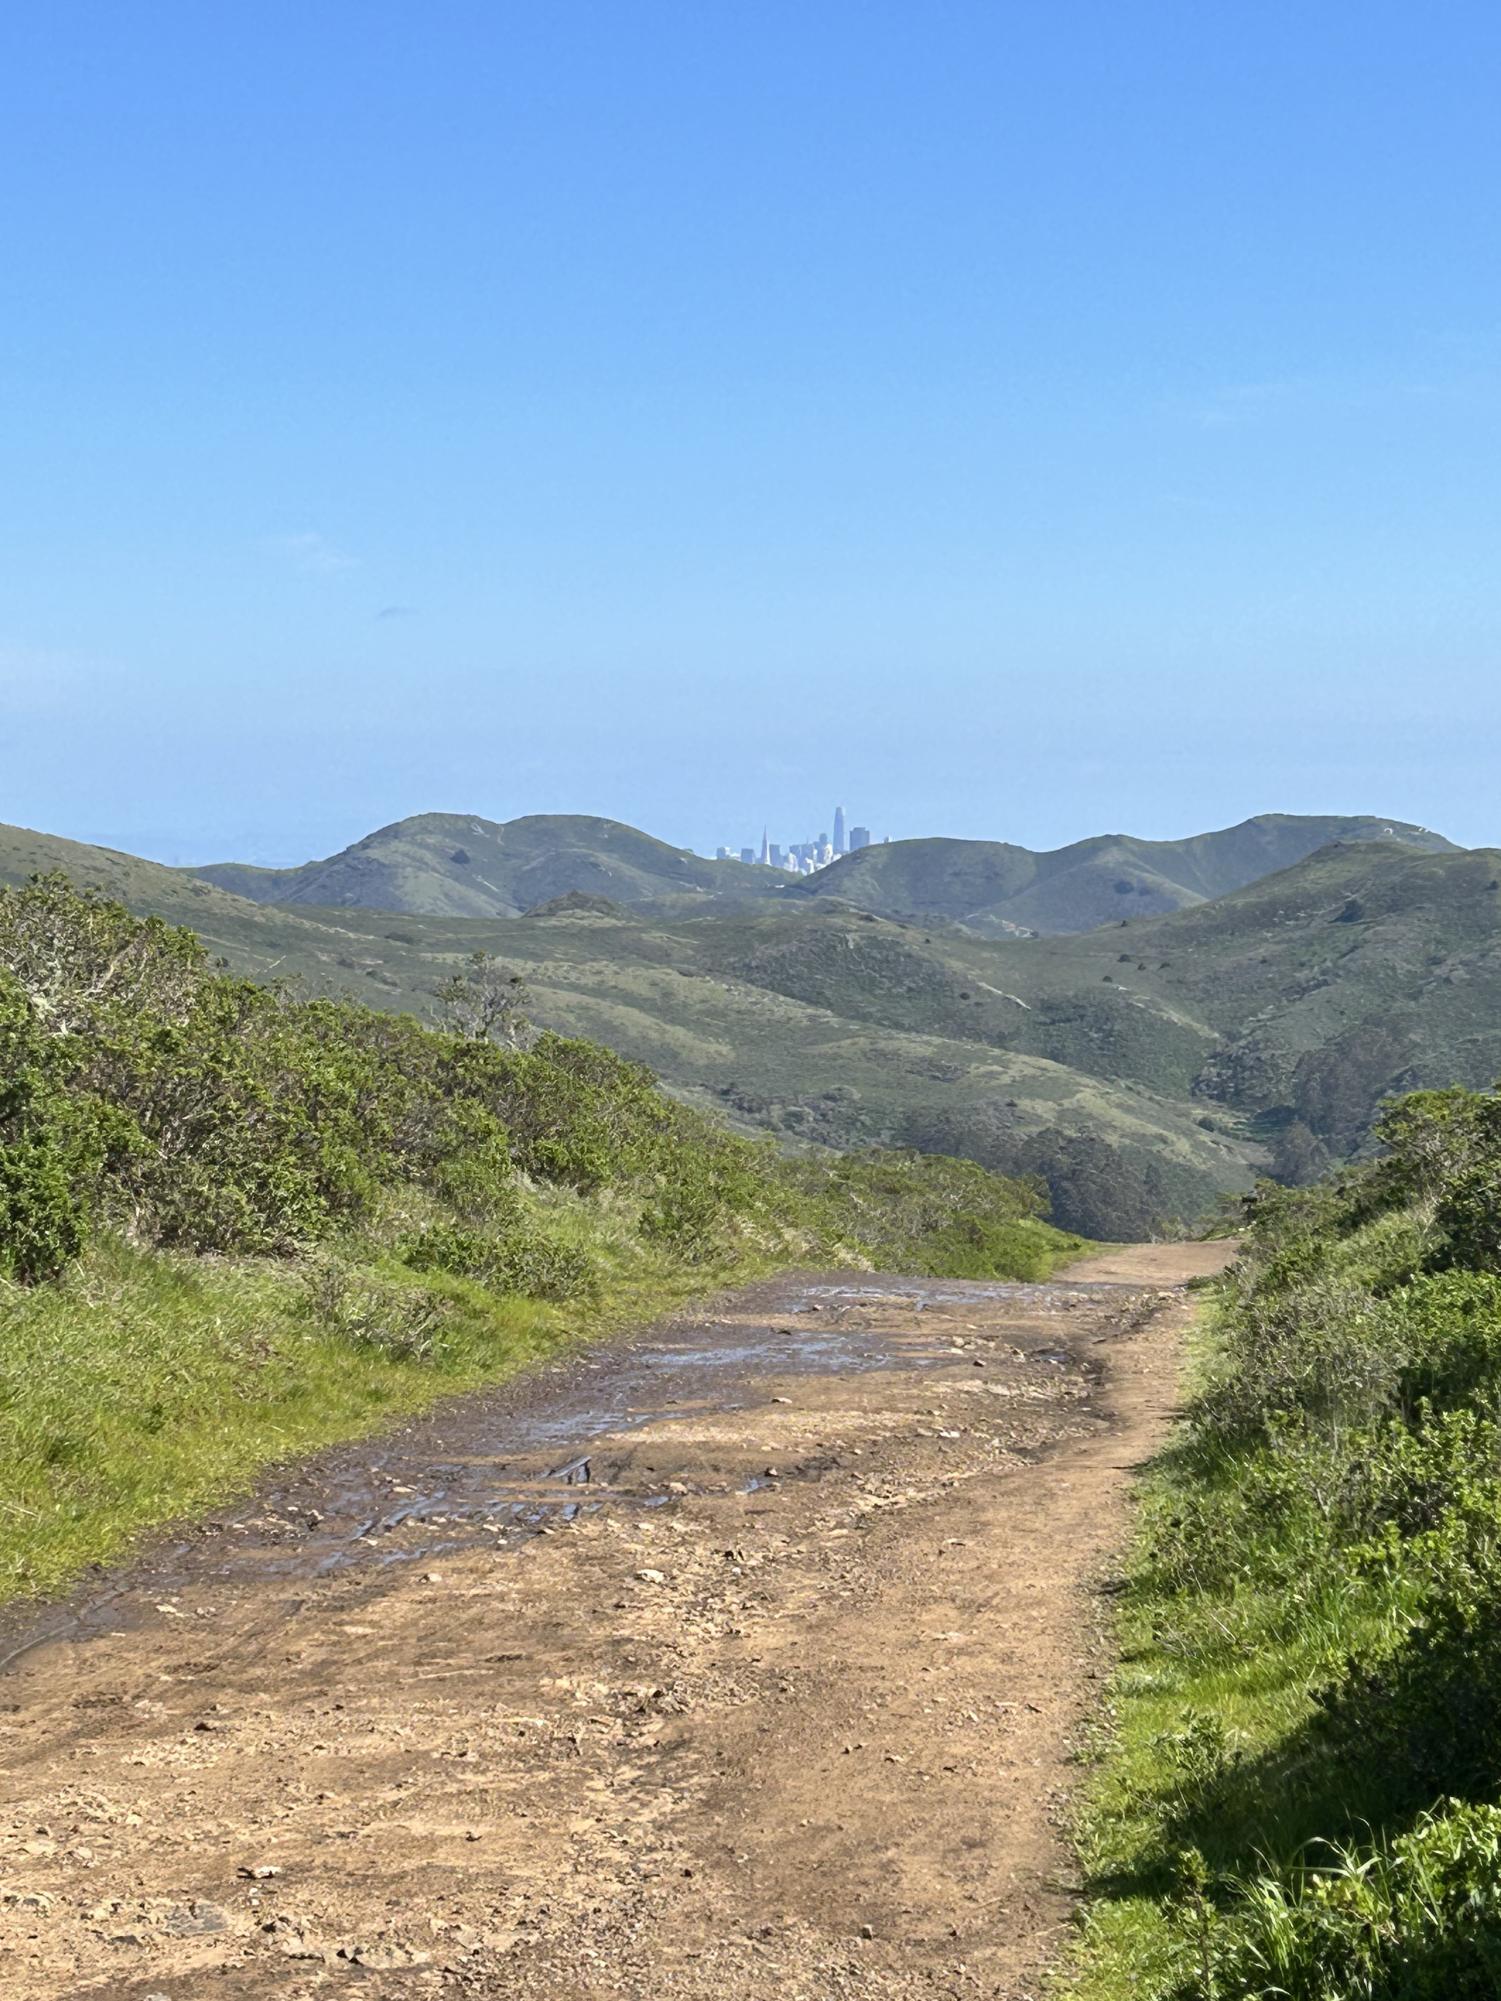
1416,1919
235,1223
1304,1796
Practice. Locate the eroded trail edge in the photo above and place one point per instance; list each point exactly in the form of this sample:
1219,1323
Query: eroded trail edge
741,1660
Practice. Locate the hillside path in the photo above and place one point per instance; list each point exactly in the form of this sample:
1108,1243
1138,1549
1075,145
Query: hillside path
739,1659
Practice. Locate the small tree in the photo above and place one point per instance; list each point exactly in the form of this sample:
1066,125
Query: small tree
485,1003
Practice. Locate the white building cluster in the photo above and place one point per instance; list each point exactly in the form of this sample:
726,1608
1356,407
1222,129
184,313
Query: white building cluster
803,857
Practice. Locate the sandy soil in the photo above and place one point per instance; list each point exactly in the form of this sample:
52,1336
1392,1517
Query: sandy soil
740,1660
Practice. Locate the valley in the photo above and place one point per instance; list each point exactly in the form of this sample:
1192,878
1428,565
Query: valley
1143,1067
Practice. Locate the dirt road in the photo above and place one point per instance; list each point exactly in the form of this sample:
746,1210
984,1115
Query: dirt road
739,1661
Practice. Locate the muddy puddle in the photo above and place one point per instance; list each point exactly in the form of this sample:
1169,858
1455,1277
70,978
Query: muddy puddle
501,1468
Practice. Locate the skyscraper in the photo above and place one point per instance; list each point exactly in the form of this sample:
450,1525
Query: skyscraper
859,838
839,848
766,847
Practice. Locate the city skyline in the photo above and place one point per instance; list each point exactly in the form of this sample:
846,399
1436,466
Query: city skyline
800,857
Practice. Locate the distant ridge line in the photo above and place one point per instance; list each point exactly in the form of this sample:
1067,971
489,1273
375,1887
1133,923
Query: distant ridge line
460,864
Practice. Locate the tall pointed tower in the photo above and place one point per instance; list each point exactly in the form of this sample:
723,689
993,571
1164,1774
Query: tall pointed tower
766,847
839,847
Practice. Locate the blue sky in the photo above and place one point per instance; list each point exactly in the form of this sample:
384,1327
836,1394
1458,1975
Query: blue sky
1015,421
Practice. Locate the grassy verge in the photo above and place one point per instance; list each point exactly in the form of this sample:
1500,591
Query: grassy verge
1299,1792
1201,1771
144,1387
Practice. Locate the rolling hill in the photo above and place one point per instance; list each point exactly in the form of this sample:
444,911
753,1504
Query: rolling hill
1142,1068
995,888
454,865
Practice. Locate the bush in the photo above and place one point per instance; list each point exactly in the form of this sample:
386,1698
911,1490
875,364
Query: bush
234,1118
1447,1328
147,1091
50,1150
1426,1702
1319,1350
924,1212
519,1261
42,1225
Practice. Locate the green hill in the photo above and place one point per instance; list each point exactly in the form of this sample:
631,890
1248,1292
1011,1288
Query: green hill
994,888
1142,1068
452,864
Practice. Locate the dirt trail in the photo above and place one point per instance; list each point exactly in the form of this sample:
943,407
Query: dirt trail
741,1660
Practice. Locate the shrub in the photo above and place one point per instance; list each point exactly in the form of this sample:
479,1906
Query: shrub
928,1213
50,1150
1447,1328
42,1224
1325,1556
1318,1348
1427,1701
147,1090
518,1261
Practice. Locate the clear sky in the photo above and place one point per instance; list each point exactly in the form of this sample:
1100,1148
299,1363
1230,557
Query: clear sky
1020,421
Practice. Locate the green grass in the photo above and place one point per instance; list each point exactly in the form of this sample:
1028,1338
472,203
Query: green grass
144,1388
1202,1767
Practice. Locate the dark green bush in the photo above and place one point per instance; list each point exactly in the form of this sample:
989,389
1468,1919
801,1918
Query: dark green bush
1336,1500
42,1220
231,1117
50,1150
1427,1701
1447,1328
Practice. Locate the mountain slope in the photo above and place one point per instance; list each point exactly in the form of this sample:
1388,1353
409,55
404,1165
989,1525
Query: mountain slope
1142,1067
994,887
728,1008
452,864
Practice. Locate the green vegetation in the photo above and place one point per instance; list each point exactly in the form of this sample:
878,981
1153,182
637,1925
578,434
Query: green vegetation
236,1223
994,888
924,1213
1142,1069
454,864
1302,1796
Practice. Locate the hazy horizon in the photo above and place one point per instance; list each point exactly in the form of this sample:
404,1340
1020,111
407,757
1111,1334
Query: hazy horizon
172,856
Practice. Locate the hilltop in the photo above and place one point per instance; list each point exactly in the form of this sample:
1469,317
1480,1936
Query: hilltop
995,888
455,865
